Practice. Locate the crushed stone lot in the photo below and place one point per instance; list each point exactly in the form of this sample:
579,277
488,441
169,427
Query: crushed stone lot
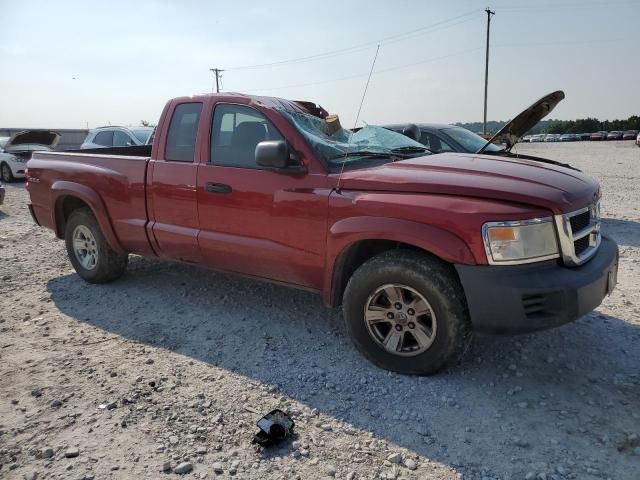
167,370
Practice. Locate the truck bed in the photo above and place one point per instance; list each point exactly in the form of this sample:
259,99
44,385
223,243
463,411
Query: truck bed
112,180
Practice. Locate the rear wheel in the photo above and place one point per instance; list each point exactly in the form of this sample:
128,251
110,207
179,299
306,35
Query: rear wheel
90,254
406,312
6,173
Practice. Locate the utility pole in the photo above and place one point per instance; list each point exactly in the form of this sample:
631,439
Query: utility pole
486,70
218,73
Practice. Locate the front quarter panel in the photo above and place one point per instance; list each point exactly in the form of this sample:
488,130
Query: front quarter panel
447,226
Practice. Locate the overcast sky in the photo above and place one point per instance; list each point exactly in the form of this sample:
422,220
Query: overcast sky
72,64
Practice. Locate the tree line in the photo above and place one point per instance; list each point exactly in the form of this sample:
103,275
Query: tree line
581,125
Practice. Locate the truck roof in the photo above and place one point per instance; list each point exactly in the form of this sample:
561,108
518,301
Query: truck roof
268,102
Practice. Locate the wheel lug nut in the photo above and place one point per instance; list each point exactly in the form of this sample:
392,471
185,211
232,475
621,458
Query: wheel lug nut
411,325
390,316
398,306
399,328
411,311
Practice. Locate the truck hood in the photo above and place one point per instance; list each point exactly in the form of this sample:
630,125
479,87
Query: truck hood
526,120
523,181
22,141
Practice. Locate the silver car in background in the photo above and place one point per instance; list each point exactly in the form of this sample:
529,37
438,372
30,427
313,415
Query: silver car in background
16,150
106,137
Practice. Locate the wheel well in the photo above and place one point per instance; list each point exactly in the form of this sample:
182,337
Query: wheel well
354,256
66,205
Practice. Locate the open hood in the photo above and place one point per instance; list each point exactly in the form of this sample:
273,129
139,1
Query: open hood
23,140
526,120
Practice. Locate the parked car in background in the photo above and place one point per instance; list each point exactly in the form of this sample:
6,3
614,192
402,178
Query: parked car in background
552,137
585,136
16,150
526,139
568,137
439,138
598,136
638,140
106,137
615,135
537,138
630,135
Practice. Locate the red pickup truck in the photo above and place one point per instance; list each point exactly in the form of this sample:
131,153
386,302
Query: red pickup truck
420,249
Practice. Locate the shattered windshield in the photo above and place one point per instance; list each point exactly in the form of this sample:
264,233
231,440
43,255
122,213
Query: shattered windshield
347,147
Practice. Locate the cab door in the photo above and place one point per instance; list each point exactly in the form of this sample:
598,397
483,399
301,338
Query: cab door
253,220
171,186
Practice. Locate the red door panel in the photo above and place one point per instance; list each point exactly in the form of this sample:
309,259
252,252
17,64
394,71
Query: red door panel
175,210
270,224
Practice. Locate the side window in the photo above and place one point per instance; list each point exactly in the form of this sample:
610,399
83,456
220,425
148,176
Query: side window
104,138
434,143
425,139
235,132
181,139
121,139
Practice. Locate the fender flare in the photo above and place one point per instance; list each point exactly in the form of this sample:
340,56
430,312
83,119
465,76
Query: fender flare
62,189
345,233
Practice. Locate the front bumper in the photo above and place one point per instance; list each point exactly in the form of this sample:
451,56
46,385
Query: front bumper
525,298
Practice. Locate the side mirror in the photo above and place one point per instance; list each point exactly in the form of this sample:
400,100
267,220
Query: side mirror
275,154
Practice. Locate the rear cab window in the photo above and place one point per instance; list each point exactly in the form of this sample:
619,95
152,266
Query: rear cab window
181,139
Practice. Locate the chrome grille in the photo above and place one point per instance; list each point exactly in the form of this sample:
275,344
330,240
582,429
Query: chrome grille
579,234
580,221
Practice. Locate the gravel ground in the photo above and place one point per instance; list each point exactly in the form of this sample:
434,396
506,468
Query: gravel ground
168,369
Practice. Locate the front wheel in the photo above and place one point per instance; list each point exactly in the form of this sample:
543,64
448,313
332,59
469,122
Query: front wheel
6,173
90,254
406,312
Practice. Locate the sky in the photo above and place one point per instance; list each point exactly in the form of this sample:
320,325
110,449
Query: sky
79,64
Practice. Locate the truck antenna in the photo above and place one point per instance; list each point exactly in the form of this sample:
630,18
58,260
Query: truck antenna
364,93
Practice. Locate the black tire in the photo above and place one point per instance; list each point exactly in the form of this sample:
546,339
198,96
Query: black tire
110,264
437,282
5,173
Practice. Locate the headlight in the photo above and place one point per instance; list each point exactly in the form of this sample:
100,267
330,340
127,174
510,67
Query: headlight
523,241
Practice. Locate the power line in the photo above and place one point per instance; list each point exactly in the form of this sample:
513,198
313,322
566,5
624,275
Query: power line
581,6
364,74
393,38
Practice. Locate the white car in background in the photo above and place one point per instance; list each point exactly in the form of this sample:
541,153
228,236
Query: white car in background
15,151
106,137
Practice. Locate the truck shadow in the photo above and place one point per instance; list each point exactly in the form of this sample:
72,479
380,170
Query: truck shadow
624,232
513,397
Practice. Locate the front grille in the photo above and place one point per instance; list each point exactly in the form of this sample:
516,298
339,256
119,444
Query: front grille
579,234
581,245
580,221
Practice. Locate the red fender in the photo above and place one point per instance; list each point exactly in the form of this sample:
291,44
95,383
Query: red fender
344,233
62,189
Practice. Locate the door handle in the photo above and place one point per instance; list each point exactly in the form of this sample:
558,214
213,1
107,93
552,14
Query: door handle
217,188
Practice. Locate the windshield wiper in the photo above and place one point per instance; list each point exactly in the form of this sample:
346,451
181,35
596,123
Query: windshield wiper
409,149
362,153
